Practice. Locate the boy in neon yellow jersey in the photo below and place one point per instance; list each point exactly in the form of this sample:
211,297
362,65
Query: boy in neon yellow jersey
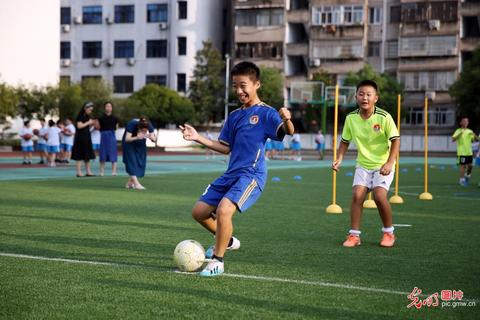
464,138
376,136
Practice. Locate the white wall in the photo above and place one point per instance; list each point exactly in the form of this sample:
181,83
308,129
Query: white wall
204,22
30,41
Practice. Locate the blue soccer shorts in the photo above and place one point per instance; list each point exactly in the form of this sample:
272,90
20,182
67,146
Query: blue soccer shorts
243,191
27,148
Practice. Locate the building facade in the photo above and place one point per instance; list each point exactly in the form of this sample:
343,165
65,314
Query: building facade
421,43
130,43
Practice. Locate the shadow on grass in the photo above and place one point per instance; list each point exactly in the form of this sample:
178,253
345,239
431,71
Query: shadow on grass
216,297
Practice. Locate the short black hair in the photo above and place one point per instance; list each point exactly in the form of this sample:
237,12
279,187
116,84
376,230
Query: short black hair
369,83
246,68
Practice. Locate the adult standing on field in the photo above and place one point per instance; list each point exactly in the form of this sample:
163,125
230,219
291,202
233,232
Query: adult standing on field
108,142
82,150
464,138
134,147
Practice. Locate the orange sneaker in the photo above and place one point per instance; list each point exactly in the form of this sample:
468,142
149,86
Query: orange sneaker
352,241
388,239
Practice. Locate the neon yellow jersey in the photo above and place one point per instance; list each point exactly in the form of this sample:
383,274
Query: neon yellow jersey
464,141
372,137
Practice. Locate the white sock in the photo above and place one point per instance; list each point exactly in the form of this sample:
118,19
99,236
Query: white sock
355,232
388,230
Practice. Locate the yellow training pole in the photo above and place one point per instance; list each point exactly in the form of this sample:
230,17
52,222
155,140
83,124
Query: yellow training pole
396,198
369,203
335,208
426,195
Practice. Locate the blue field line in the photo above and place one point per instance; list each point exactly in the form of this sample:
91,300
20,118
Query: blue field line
167,164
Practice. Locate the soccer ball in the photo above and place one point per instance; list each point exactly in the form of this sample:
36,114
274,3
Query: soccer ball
189,255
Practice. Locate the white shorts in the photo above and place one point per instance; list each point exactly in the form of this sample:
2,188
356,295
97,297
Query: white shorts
372,178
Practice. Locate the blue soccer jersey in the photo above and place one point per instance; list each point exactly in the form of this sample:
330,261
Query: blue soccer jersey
245,132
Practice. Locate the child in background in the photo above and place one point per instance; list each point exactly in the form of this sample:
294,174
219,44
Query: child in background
53,142
96,136
464,137
67,144
60,155
296,147
320,141
26,133
42,142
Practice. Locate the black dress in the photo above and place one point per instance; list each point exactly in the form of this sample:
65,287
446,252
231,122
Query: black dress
82,144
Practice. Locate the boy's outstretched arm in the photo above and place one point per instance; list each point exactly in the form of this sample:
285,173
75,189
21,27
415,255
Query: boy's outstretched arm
287,122
394,149
190,134
341,152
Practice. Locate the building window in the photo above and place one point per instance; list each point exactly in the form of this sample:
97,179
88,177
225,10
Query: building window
159,79
259,50
392,49
182,10
65,80
259,17
156,48
92,50
414,12
375,15
440,116
427,80
395,14
338,15
157,12
65,50
123,84
444,11
91,78
92,15
124,49
373,49
125,14
182,46
65,15
181,82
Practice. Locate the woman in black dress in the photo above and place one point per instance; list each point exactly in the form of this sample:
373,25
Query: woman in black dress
82,145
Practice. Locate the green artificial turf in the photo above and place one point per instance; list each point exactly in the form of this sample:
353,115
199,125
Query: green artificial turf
287,240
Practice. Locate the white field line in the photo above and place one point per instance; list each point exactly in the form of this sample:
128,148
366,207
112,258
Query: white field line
441,197
230,275
402,225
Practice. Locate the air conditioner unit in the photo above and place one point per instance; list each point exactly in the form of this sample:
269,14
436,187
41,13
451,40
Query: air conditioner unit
65,28
434,24
315,62
96,62
163,25
65,63
110,62
109,20
131,61
78,20
430,95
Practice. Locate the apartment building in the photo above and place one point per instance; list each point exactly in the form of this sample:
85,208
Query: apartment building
130,43
260,32
421,43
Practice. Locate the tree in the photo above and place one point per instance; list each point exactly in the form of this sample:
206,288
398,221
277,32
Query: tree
465,90
70,100
388,87
271,89
97,91
207,86
8,101
160,104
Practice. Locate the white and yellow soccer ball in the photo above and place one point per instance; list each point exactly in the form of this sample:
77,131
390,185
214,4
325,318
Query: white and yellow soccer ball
189,255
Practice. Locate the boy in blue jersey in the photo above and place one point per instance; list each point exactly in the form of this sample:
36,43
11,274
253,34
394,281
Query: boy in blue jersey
243,136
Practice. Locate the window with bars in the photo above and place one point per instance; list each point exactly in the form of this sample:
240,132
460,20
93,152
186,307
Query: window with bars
337,15
259,17
123,84
124,49
125,14
156,48
266,50
92,15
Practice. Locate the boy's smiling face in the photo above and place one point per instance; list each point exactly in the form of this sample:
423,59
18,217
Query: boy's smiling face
245,89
